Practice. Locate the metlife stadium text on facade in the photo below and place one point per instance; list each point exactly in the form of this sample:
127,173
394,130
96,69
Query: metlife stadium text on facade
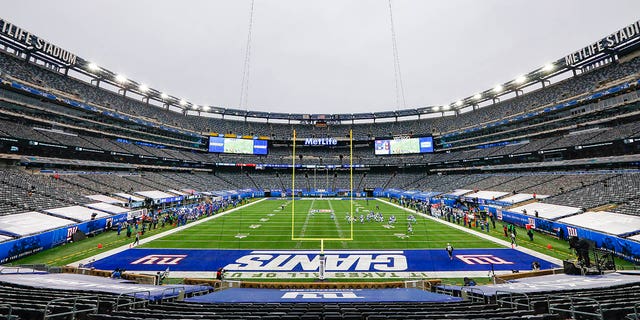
611,41
31,40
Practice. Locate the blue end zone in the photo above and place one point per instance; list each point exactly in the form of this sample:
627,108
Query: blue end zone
238,295
308,261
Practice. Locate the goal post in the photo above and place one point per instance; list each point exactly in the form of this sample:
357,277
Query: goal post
296,237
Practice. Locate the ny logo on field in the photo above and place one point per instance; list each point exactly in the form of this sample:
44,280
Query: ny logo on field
321,295
161,259
481,259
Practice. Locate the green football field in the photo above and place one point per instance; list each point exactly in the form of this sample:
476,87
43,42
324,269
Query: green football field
262,225
266,225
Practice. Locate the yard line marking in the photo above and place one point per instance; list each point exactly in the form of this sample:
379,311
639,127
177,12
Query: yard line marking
335,220
304,226
163,234
482,235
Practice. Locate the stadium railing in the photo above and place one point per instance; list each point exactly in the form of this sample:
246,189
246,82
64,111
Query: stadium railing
510,299
572,307
8,314
78,307
132,299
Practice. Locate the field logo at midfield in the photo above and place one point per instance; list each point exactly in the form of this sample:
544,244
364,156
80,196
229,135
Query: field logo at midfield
481,259
320,211
161,259
321,295
335,261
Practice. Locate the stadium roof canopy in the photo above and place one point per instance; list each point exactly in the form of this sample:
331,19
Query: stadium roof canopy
20,42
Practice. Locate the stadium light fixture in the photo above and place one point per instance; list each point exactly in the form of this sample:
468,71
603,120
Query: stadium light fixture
521,79
498,88
436,108
183,102
206,108
445,107
547,67
477,96
143,88
164,96
459,103
121,78
194,106
93,67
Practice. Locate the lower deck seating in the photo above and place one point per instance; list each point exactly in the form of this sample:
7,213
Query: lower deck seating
614,303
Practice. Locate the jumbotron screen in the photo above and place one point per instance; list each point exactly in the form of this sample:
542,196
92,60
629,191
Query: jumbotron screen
404,146
232,145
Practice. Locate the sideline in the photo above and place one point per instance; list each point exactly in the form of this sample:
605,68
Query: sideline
287,276
481,235
160,235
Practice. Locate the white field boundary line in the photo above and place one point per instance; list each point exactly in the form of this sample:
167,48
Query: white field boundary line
401,275
162,234
481,235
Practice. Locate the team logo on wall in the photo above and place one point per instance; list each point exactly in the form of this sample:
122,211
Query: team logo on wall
532,223
71,231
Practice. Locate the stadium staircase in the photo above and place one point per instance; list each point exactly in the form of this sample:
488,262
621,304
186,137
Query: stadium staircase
605,207
386,185
80,186
533,187
250,178
141,181
414,183
281,182
227,181
362,177
334,182
307,181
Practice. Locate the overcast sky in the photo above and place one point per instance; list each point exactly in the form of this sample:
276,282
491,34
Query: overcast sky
323,56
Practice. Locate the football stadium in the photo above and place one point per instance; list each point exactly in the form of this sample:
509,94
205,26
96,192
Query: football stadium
121,201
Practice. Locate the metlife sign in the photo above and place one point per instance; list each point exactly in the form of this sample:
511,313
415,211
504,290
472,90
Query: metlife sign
305,264
320,142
